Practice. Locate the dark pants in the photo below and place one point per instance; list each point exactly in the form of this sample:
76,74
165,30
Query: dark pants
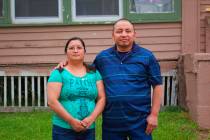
59,133
134,134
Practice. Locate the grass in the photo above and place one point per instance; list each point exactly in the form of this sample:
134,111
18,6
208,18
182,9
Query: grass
25,126
174,124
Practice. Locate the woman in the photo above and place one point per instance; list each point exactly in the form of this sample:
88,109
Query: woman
76,95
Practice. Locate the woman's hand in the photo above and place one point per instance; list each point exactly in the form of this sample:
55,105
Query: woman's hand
86,122
77,126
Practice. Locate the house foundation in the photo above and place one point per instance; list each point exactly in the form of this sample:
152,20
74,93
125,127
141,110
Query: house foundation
197,81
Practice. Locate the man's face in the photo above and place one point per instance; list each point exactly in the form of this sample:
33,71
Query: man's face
123,34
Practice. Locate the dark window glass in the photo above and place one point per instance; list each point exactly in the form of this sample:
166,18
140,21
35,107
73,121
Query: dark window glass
1,8
36,8
97,7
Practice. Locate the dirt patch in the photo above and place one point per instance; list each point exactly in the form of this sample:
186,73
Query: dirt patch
203,134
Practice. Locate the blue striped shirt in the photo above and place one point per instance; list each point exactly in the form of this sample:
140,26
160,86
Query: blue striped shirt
128,82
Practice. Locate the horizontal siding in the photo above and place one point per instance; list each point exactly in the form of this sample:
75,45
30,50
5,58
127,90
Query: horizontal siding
31,59
37,45
43,69
90,49
205,2
164,40
55,58
80,28
203,5
85,34
54,35
202,38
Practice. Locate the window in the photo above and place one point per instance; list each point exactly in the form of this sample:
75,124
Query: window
1,8
4,12
36,11
60,12
154,10
96,10
151,6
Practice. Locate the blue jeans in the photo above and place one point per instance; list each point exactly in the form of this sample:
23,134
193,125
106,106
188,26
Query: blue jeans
134,134
59,133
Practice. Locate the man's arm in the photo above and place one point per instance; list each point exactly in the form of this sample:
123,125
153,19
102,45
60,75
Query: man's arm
152,119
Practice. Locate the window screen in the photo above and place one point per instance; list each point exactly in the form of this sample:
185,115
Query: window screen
151,6
97,7
36,8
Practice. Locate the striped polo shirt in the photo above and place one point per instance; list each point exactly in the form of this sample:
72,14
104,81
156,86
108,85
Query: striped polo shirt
128,82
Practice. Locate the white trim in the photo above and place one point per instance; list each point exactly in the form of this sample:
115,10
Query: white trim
23,20
96,18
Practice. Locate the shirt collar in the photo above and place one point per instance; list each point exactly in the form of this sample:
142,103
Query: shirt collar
133,50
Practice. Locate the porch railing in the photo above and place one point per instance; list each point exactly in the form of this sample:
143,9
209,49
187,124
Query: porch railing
27,90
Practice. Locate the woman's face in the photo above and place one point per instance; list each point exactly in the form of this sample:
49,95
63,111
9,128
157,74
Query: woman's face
75,50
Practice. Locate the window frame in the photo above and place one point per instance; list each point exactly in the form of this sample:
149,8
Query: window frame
41,20
155,17
67,15
5,18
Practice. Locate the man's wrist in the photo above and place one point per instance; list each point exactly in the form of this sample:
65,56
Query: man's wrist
154,113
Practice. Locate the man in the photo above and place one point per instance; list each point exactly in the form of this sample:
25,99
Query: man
129,71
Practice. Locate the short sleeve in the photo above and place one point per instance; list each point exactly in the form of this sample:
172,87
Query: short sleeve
96,63
98,76
155,77
55,76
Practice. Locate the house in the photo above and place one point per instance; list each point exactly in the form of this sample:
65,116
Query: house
33,35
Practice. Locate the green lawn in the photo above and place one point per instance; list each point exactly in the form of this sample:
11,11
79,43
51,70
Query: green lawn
174,124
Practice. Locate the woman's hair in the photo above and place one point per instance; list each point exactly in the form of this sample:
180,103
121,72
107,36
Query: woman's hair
89,68
72,39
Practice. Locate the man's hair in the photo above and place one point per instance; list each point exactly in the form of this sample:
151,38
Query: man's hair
122,19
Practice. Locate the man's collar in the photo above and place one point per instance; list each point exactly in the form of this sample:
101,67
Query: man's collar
133,49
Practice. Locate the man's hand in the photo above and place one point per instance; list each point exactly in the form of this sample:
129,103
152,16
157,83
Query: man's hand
152,122
61,64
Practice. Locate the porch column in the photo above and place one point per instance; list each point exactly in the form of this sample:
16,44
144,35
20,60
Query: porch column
197,70
190,42
190,26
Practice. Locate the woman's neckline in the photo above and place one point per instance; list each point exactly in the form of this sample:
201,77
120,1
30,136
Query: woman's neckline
74,75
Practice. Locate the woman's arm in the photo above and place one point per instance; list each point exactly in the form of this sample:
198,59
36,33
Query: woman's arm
99,105
53,91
